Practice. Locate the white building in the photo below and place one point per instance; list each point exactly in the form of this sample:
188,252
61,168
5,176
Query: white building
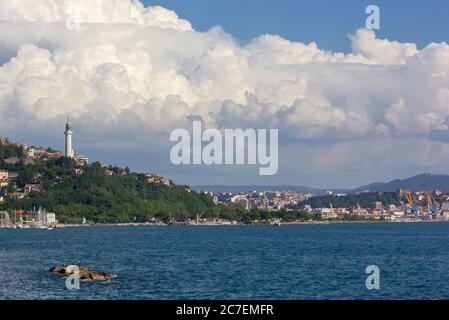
241,200
68,140
4,176
50,218
328,213
82,159
445,210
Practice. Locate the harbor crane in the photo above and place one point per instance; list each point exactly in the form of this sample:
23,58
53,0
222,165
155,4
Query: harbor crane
432,205
408,196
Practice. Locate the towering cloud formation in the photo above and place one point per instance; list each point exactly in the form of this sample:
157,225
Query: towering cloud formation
144,70
97,11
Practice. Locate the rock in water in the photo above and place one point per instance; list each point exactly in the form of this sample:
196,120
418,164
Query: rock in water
57,269
84,273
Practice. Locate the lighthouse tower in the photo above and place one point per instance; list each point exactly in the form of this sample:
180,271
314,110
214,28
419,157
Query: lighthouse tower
68,140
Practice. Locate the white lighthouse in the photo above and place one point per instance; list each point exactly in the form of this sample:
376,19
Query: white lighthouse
68,140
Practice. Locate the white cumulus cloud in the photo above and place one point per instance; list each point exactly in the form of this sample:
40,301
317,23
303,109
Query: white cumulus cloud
129,71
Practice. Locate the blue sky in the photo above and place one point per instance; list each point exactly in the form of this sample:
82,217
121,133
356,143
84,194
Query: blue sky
326,22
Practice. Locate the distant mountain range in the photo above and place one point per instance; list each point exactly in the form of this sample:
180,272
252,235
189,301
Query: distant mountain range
425,181
419,182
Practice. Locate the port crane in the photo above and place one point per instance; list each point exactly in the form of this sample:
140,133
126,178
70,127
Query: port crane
408,196
432,205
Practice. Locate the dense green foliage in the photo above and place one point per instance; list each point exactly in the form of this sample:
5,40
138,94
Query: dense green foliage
92,194
11,152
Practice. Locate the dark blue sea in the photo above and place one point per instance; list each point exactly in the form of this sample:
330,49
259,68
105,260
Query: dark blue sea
235,262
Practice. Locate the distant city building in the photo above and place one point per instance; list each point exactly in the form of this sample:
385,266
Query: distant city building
241,199
359,211
4,176
32,187
397,212
33,152
328,213
378,206
50,218
82,160
445,210
29,152
445,206
156,178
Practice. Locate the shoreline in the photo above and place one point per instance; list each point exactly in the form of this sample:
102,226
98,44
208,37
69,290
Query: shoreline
105,225
291,223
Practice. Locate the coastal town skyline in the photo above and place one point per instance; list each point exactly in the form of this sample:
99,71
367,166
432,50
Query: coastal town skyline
407,201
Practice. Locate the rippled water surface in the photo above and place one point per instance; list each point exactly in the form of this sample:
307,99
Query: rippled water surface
238,262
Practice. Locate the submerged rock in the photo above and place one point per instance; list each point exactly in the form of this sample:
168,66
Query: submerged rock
84,273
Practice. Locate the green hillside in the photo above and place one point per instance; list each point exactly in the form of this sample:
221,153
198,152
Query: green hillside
75,192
